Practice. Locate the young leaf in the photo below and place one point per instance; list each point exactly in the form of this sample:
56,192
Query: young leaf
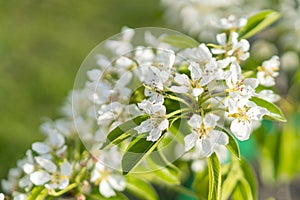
124,130
242,191
140,188
230,182
39,193
137,150
180,41
258,22
275,112
214,172
232,145
249,177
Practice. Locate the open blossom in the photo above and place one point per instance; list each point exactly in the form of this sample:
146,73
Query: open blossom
239,89
268,95
189,85
200,54
50,175
232,22
244,118
1,196
204,135
108,182
268,71
157,122
233,47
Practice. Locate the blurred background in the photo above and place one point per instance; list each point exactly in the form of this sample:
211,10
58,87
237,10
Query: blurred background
42,44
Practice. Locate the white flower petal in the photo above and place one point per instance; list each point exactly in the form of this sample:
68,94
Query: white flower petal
144,127
196,72
1,196
154,134
182,79
179,89
66,168
210,120
195,121
197,91
256,113
40,177
46,164
207,147
190,141
241,129
40,147
117,182
63,183
106,190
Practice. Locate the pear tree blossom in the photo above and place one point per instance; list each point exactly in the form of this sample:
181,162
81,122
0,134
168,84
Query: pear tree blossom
268,71
204,134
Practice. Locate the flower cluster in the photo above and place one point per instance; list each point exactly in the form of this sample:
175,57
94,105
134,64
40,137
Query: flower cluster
203,89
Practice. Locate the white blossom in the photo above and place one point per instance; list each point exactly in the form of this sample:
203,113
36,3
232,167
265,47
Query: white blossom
204,134
268,71
108,182
243,119
157,122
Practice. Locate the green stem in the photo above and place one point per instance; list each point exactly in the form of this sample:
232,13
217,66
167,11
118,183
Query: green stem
177,99
61,192
177,112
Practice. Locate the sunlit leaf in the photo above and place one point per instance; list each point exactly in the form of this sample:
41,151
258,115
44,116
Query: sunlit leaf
180,41
249,177
141,188
258,22
138,149
124,130
38,193
275,112
214,172
242,191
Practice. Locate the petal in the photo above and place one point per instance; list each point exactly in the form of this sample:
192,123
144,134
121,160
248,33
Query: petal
117,182
190,141
40,177
196,72
197,91
219,137
222,39
241,129
40,147
256,113
195,121
182,79
144,127
207,147
56,140
63,183
154,134
163,125
106,190
66,168
46,164
179,89
253,82
210,120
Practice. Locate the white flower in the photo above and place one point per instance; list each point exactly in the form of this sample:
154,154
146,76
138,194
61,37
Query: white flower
244,117
55,142
268,71
204,135
122,46
233,47
1,196
19,196
157,122
108,182
232,22
51,177
201,54
239,89
268,95
189,85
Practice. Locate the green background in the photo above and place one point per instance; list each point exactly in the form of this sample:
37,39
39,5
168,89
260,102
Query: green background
42,44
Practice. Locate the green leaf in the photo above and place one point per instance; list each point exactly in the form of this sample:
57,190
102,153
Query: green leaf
124,130
214,172
180,41
275,112
230,182
242,191
141,188
138,149
232,145
249,177
38,193
258,22
201,184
